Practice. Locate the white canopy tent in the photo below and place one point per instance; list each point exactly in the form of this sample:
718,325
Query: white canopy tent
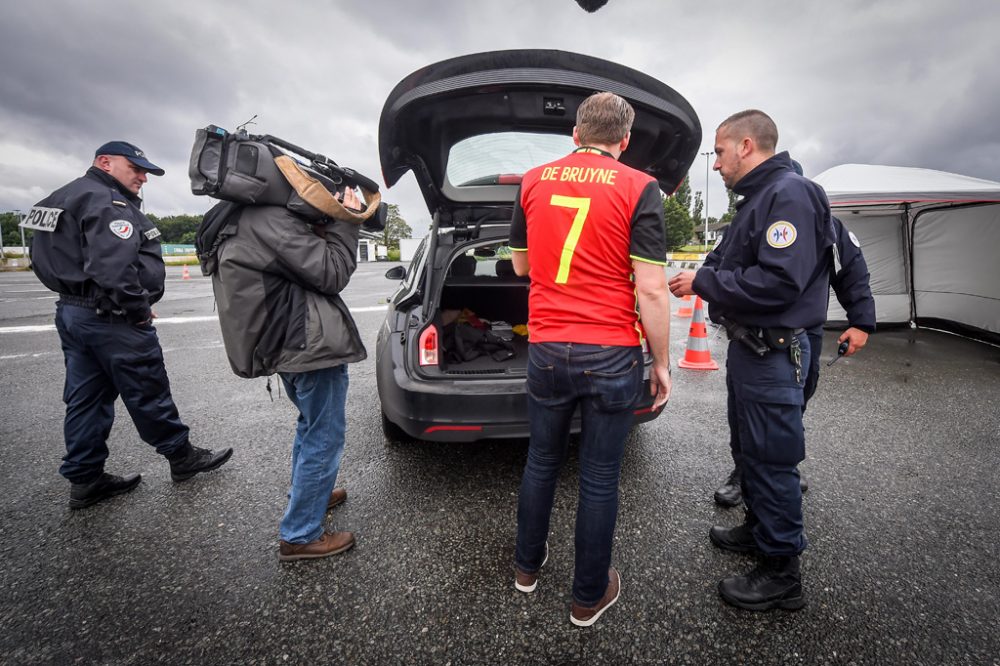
931,240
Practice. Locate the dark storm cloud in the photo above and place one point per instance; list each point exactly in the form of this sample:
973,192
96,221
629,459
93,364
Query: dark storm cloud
906,85
84,75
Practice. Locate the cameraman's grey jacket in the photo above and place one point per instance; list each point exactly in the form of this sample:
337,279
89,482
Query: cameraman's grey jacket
276,285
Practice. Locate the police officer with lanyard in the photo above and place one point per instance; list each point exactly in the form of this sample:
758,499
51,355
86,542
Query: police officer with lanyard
767,282
94,247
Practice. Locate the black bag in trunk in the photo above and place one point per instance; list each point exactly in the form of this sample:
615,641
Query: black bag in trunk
463,342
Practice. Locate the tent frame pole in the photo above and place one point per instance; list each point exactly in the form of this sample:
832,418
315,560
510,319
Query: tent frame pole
908,245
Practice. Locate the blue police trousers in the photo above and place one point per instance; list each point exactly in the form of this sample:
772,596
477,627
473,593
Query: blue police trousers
106,357
766,399
815,350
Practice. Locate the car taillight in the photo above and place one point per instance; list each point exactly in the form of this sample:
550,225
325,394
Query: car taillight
428,343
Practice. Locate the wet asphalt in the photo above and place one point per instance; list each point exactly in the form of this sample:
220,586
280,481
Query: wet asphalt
903,446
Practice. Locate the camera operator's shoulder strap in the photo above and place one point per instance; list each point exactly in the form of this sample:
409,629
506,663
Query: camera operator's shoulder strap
319,197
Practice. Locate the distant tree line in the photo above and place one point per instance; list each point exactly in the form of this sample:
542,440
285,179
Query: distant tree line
684,213
395,228
175,228
182,229
11,232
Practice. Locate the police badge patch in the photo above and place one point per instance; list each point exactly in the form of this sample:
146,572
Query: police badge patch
122,228
854,239
781,234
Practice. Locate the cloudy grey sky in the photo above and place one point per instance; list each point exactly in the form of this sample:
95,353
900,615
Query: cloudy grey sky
899,82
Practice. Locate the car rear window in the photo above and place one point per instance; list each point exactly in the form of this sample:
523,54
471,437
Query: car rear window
482,261
503,157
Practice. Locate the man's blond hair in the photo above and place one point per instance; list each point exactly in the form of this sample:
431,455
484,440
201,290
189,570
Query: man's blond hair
603,118
755,124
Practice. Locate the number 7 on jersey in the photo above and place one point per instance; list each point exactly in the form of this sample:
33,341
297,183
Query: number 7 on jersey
582,206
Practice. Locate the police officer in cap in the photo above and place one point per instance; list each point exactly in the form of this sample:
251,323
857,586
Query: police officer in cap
767,283
94,247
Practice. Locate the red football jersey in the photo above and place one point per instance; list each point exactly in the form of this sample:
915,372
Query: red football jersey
583,219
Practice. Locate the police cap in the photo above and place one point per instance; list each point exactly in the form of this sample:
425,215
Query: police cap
131,153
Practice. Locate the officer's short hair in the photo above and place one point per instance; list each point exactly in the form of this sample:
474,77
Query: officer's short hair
603,118
755,124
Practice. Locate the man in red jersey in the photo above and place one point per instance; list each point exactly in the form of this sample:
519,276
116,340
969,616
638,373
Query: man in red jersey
588,230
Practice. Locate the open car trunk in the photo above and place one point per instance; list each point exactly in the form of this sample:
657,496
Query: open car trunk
478,315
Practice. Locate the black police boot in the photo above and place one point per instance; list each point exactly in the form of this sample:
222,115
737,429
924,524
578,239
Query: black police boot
775,583
191,460
106,485
729,493
737,539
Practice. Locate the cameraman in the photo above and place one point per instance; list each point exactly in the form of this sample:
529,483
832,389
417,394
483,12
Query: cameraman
277,277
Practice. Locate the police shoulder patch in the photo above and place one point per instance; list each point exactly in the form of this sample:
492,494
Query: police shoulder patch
122,228
854,239
781,234
151,234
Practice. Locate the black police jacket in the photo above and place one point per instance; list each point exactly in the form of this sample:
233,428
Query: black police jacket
103,252
850,279
772,267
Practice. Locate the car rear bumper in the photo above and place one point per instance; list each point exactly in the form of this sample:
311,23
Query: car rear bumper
465,410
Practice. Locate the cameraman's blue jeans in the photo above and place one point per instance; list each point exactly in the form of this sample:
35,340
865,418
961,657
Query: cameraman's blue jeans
319,445
605,382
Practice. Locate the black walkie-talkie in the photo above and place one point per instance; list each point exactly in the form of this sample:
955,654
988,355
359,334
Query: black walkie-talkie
841,350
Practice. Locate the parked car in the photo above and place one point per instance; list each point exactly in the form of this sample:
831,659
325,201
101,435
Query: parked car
468,128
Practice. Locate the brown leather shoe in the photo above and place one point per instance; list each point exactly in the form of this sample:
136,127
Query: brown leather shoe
336,497
527,582
331,543
582,616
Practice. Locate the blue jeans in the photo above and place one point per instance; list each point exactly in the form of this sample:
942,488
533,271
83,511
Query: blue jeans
319,396
605,383
106,357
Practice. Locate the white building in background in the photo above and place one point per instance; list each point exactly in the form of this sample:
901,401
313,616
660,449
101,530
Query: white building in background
366,250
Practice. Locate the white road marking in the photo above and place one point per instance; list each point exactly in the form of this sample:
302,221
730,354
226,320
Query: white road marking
10,357
27,329
158,322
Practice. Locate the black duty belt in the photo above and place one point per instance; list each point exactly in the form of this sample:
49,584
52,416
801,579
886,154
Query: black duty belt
776,338
82,301
761,340
89,302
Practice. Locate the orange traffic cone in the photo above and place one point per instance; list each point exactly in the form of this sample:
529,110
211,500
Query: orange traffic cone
697,356
185,274
685,310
